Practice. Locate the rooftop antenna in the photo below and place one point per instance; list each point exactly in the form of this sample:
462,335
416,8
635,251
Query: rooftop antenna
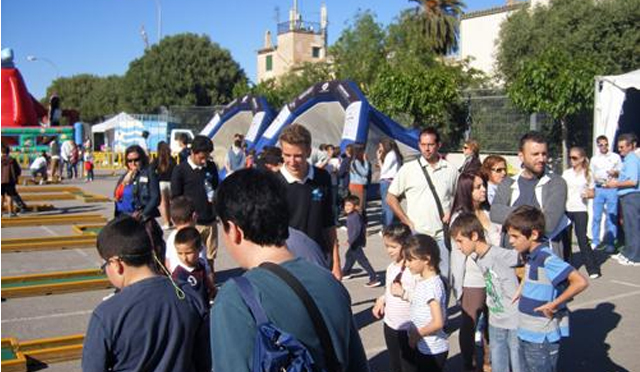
276,14
145,37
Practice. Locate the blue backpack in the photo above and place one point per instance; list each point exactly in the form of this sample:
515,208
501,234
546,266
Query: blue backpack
275,350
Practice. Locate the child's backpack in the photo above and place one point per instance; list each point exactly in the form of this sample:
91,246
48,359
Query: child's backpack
276,350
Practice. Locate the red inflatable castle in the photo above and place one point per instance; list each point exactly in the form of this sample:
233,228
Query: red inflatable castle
19,108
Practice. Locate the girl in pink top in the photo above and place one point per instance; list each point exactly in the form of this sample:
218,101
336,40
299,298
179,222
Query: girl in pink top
393,305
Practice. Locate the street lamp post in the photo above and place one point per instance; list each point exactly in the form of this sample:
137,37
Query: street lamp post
45,60
159,9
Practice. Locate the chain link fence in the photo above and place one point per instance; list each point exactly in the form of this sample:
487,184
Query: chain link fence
497,124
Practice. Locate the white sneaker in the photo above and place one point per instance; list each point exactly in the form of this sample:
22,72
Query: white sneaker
617,256
627,262
594,276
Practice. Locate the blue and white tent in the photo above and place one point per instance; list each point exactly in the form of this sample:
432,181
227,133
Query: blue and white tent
337,112
248,115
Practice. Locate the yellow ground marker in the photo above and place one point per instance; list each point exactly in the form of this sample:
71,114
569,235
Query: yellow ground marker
12,359
53,350
53,220
48,196
48,243
53,283
83,229
45,350
36,207
31,189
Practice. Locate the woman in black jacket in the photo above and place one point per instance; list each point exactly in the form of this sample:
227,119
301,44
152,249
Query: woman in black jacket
137,194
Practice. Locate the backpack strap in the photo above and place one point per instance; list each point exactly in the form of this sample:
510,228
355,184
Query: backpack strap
331,360
251,299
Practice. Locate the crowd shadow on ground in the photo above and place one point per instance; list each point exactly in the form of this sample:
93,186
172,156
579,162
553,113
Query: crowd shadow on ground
586,349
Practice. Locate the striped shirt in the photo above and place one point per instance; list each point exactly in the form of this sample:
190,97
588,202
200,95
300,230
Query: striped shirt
396,309
428,290
545,278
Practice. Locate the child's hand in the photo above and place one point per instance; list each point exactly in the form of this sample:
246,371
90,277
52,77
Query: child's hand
397,290
414,337
547,309
378,308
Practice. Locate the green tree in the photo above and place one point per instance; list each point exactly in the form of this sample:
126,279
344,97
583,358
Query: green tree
440,23
73,92
359,52
556,83
184,70
429,96
549,56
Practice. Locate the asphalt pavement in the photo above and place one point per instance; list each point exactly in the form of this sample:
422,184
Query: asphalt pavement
604,322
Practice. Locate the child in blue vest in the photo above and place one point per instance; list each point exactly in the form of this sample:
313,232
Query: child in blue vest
549,282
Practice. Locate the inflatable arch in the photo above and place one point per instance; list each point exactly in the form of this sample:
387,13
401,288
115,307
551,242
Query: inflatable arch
337,112
249,115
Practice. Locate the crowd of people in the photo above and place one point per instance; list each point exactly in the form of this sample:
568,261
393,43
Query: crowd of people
497,246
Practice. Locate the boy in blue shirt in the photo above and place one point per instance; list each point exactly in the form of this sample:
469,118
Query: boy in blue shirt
357,239
549,282
150,324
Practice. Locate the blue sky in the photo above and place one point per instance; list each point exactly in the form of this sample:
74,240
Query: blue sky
102,37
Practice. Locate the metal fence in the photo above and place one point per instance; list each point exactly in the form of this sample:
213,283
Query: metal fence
497,124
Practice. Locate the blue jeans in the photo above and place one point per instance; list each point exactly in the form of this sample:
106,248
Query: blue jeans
505,350
387,213
605,199
356,254
444,259
631,222
539,357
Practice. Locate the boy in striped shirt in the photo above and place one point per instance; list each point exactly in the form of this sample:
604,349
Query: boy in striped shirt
549,282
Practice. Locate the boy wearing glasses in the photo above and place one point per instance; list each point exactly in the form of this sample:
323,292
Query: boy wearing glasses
604,165
150,324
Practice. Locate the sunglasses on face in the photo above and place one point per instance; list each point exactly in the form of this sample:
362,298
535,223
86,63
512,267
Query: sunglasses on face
603,144
574,157
134,160
499,170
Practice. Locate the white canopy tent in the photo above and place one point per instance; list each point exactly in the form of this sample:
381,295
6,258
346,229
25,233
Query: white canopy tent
610,94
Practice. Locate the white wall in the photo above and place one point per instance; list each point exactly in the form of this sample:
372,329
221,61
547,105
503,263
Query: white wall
478,36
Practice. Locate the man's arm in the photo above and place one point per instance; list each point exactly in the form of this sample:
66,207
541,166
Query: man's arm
554,205
394,203
501,207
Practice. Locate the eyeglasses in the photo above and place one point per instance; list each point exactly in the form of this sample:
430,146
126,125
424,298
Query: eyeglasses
134,160
106,263
499,170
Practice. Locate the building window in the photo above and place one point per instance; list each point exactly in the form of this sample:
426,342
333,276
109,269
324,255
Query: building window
315,52
269,62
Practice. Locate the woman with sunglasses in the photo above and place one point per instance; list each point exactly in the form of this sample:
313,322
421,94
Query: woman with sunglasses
494,169
580,188
471,152
137,191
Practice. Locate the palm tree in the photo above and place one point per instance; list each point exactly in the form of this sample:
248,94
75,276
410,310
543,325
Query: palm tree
440,23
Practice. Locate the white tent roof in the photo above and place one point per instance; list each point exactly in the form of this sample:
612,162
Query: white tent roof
112,123
609,98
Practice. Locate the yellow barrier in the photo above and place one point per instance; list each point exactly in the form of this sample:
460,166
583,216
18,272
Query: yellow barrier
53,220
44,350
68,282
48,243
